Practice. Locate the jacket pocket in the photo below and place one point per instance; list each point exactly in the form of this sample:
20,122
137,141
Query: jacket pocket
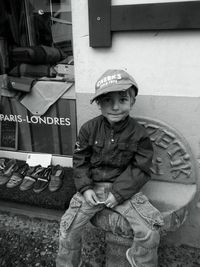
97,147
147,211
126,152
69,216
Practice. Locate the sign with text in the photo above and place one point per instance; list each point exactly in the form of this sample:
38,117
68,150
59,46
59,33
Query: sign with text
53,133
39,159
8,135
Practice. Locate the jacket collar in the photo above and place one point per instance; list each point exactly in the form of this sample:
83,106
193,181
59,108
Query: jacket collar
118,126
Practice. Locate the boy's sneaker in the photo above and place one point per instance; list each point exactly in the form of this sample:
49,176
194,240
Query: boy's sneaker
130,258
42,180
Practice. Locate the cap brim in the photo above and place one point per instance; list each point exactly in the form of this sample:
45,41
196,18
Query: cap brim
114,88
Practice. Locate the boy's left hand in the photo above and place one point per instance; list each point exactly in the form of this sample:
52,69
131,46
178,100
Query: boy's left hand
111,201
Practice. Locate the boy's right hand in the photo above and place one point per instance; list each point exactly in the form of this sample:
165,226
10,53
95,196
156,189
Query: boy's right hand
90,197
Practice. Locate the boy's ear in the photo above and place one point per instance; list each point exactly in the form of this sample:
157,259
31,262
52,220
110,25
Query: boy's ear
99,106
133,101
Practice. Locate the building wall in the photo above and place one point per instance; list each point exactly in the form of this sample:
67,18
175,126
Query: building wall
165,66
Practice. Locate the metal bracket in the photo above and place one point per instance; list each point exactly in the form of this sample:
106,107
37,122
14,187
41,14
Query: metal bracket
105,19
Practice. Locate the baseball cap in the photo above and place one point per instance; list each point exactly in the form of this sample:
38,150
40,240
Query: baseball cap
112,81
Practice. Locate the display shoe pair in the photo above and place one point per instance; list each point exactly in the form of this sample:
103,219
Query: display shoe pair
56,178
31,177
7,171
18,176
43,180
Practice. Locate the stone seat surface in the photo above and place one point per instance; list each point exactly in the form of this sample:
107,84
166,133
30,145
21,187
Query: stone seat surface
171,199
169,196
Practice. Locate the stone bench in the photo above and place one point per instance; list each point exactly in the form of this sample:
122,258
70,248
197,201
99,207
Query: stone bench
172,188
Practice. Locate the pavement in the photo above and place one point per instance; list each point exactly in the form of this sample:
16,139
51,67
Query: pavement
29,237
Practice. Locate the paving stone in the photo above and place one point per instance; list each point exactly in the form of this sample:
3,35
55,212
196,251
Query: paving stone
29,242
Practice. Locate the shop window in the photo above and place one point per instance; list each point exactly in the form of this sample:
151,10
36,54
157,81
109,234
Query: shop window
37,77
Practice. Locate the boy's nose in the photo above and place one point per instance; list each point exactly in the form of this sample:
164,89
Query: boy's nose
115,104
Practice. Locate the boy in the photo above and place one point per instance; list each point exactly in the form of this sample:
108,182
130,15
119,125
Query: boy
112,161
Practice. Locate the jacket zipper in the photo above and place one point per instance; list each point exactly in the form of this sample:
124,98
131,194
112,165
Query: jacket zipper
112,140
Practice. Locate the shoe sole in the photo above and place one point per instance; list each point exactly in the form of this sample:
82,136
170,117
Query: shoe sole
15,182
39,190
55,188
5,180
13,185
24,187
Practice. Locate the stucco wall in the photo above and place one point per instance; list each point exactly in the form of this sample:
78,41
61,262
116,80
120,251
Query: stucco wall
165,66
162,62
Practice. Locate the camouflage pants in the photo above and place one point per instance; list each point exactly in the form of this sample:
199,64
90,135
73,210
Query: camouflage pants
144,219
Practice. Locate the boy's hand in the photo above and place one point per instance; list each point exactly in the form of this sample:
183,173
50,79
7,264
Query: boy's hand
111,201
90,197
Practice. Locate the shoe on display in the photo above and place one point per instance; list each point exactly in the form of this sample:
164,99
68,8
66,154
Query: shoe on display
7,172
56,178
30,177
17,176
2,163
43,180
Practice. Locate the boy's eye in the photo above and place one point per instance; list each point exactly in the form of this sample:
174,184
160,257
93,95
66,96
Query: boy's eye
107,99
123,99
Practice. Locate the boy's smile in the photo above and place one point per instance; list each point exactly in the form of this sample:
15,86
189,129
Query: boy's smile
116,106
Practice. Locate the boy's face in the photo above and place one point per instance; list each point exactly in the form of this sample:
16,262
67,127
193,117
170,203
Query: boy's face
115,106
